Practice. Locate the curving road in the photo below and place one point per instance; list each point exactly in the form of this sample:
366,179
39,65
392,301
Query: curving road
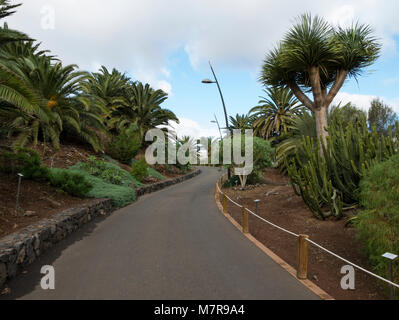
173,244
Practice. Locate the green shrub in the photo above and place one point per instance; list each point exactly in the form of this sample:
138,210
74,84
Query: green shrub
120,195
378,224
155,174
263,155
72,183
25,161
124,147
107,171
140,170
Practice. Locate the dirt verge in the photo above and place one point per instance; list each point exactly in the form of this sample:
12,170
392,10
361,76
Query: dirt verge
281,206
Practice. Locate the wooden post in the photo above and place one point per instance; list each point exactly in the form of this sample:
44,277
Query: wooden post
303,254
224,204
245,222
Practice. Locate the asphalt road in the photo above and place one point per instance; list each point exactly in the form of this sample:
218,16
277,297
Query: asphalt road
173,244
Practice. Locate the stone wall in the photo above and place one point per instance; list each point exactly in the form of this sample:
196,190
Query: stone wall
22,248
164,184
25,246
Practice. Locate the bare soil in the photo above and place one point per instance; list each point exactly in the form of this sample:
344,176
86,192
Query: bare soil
38,201
281,206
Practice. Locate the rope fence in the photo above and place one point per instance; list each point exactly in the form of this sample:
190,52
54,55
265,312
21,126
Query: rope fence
303,239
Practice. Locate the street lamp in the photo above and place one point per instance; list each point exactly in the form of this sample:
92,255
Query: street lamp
217,123
209,81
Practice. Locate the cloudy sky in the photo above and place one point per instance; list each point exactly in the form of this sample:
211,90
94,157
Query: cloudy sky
168,44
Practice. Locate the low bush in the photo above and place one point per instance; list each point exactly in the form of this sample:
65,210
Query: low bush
140,170
155,174
72,183
25,161
124,147
120,195
109,172
378,224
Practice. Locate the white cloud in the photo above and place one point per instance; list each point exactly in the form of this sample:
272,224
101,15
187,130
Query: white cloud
363,101
138,36
188,127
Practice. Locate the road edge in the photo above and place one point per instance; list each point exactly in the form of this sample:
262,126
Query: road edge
307,283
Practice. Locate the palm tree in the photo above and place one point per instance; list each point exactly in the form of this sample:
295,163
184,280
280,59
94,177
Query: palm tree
57,109
241,122
274,114
106,91
313,56
13,90
143,109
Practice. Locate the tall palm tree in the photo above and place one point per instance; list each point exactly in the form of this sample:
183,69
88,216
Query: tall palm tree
13,90
58,109
241,122
315,57
274,114
143,109
105,90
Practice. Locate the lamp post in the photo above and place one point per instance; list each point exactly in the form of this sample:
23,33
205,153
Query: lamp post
217,123
208,81
20,176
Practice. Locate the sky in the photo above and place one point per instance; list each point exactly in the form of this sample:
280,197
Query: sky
168,43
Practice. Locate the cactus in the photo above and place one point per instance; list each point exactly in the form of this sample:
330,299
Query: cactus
328,181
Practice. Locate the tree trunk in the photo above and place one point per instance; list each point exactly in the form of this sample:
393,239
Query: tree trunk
322,125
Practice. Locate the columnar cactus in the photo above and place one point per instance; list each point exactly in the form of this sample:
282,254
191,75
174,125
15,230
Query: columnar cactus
328,181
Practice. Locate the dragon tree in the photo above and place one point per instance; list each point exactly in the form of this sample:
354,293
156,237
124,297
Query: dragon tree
315,58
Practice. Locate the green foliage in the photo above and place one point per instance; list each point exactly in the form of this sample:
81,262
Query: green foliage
108,172
330,179
241,122
25,161
70,182
263,155
313,42
155,174
378,224
124,147
274,115
140,170
304,125
381,116
120,195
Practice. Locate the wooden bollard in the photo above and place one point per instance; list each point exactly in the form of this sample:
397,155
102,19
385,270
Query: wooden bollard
303,256
245,222
224,204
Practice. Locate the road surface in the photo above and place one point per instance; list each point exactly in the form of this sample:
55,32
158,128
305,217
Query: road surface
173,244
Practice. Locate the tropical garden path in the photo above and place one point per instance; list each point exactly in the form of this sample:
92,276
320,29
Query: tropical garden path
173,244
